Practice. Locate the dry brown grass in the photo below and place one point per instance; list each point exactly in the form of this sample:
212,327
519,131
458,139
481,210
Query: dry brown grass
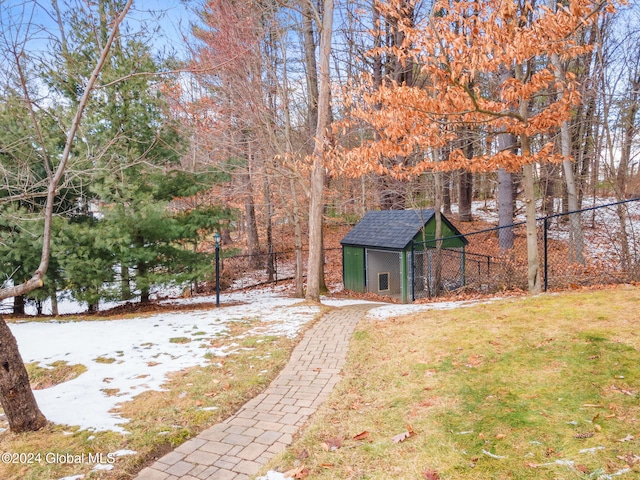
542,387
191,401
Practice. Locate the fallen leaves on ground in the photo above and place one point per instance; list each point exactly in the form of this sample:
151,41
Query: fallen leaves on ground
332,444
297,473
431,475
401,437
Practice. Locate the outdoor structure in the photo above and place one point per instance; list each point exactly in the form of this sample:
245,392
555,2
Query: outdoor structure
393,253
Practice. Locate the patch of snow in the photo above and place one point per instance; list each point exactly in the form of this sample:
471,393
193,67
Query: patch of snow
591,450
493,455
142,352
273,475
396,310
342,302
73,477
619,473
102,467
123,453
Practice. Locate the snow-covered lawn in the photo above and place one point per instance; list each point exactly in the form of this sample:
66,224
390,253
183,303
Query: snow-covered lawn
141,353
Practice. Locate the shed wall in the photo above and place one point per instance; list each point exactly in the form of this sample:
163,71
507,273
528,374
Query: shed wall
383,272
353,268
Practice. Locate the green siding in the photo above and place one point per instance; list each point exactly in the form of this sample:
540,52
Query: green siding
430,233
353,258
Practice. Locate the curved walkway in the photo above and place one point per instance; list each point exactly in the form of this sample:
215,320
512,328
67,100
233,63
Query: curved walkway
241,445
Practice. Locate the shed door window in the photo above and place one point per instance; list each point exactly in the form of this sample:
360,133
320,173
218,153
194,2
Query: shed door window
383,281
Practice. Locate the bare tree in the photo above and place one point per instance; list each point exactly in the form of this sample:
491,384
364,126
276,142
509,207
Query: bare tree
16,396
316,206
619,62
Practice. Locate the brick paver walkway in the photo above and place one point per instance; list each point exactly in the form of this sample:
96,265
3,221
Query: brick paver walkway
239,446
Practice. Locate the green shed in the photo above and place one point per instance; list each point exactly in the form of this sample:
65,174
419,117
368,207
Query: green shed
392,253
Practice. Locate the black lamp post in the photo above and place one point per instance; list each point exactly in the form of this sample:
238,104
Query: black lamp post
216,237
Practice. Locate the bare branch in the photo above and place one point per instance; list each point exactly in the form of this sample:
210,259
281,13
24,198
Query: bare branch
36,280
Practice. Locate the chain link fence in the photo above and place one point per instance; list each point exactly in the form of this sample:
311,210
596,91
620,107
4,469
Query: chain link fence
246,271
606,251
494,260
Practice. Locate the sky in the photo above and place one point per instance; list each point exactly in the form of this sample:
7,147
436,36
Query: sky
167,20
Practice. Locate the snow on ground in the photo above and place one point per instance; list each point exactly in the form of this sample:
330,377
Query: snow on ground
601,226
143,353
395,310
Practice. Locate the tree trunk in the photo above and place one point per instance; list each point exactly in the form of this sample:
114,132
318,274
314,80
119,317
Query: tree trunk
310,64
253,243
392,193
268,227
316,203
505,206
465,197
446,193
533,262
297,242
629,130
17,399
54,304
18,305
576,238
437,260
125,282
548,186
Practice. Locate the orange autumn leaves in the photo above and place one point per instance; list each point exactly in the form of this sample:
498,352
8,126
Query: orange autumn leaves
459,57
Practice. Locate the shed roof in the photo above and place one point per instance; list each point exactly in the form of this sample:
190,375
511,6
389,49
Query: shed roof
392,229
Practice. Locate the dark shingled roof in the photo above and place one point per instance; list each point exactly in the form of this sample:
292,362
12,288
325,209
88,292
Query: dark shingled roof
392,229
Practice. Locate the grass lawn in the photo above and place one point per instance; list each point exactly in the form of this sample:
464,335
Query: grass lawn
193,399
538,388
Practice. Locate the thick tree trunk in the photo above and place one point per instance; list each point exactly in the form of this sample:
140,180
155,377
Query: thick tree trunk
297,241
505,210
465,197
437,257
446,193
17,399
18,305
533,261
314,269
144,291
125,282
316,203
54,304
